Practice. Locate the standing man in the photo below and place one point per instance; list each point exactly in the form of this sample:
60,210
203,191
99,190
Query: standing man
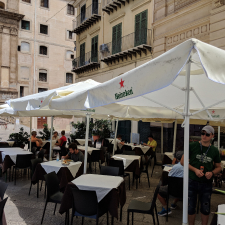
204,163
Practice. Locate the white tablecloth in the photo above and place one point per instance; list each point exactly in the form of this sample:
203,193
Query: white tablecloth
221,218
102,184
13,152
142,147
90,149
127,159
82,141
53,143
170,155
56,165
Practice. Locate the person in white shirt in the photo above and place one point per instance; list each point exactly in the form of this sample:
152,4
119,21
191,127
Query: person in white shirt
55,136
119,144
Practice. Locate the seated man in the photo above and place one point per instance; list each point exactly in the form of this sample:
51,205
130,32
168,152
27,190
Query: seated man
35,142
119,144
74,154
177,157
176,171
151,142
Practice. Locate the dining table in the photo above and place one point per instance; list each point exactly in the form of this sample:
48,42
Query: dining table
110,192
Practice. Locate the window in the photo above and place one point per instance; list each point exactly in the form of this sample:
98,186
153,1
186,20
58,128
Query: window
94,6
44,3
69,55
82,54
116,38
43,50
28,1
94,49
70,9
69,34
25,25
82,13
141,28
43,29
43,75
25,47
42,90
69,78
21,91
2,5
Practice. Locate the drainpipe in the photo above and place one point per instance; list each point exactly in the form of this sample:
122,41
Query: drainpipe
35,17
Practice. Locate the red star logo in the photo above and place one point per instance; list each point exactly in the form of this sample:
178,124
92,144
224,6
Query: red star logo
41,101
213,112
121,83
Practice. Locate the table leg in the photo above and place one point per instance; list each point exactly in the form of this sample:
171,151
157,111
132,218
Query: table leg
121,213
38,189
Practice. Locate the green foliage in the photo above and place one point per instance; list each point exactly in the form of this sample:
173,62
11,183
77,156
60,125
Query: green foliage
21,137
46,133
98,127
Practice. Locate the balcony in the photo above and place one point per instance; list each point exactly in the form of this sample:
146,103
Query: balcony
87,62
110,5
128,46
86,19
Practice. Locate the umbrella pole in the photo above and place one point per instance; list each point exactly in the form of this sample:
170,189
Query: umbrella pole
174,136
218,137
86,143
186,144
30,131
162,138
50,150
115,144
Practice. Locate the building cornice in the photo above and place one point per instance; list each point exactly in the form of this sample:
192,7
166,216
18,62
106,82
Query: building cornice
118,17
11,15
217,10
140,5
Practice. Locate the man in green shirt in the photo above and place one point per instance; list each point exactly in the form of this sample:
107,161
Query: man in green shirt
204,163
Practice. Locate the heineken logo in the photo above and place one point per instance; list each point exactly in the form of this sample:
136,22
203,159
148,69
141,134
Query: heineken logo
214,114
124,93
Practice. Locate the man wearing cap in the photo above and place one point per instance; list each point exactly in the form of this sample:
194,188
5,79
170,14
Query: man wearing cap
204,163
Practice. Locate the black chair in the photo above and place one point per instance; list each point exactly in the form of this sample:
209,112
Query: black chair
175,189
22,162
145,170
3,187
94,157
156,163
53,192
41,154
85,204
2,205
63,150
69,142
143,207
34,163
128,152
109,170
119,163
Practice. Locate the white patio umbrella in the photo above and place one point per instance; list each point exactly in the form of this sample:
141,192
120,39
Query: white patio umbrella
188,80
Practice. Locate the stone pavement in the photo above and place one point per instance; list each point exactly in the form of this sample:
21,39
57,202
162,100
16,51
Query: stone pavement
22,209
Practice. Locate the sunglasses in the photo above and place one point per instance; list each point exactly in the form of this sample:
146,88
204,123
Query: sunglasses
206,134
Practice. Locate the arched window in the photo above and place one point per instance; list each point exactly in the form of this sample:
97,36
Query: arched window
25,46
69,55
43,50
2,5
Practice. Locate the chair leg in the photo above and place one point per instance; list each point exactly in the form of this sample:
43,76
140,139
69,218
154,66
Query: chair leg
157,217
55,208
82,220
15,177
71,218
128,217
38,189
9,173
121,213
153,169
97,220
45,190
107,216
153,217
148,179
112,220
129,181
30,187
41,185
137,183
132,220
44,212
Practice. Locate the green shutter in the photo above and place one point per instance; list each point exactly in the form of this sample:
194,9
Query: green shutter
82,54
94,49
116,38
140,36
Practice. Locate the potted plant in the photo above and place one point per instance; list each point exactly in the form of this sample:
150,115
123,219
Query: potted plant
46,133
100,129
20,138
80,130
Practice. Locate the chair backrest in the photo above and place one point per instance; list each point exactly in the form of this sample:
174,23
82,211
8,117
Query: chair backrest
41,154
128,152
85,202
175,187
110,148
23,161
117,163
34,163
155,197
76,142
4,144
2,205
3,187
109,170
69,140
64,144
95,155
52,183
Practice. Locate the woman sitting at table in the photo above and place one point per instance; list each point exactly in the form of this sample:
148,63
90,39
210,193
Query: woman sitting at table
74,154
55,136
62,139
35,142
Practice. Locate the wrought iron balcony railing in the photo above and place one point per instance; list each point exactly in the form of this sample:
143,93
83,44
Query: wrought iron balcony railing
130,44
86,62
86,18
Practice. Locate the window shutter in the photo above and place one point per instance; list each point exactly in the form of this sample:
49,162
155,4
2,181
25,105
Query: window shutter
116,38
82,54
94,49
140,36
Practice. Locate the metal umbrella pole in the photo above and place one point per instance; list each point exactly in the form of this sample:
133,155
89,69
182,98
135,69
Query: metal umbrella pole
50,150
30,131
174,136
115,144
86,143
